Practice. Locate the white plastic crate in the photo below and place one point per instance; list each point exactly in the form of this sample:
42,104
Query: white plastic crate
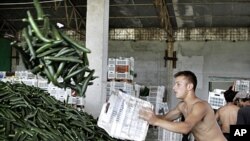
161,108
59,93
137,88
242,85
216,98
111,75
156,91
111,68
165,135
30,82
124,65
43,84
72,100
122,61
124,86
24,75
7,79
151,99
119,117
76,100
123,76
80,101
13,80
111,61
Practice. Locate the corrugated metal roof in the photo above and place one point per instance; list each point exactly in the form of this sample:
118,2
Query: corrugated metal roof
139,13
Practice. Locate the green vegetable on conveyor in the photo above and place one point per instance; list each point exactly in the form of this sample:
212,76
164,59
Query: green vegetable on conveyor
48,52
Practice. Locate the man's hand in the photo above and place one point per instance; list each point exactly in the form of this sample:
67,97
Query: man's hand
148,115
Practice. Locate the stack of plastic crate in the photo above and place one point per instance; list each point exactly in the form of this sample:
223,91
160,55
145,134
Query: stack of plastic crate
242,85
121,69
165,135
120,75
124,68
156,94
111,68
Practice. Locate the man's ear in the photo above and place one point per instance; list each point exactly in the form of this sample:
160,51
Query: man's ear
190,86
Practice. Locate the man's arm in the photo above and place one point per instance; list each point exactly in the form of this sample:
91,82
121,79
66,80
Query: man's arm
172,114
198,112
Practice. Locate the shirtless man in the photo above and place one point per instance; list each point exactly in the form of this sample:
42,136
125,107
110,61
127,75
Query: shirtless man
199,116
227,115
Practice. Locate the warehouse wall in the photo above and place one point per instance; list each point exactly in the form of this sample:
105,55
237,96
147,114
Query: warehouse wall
207,59
148,55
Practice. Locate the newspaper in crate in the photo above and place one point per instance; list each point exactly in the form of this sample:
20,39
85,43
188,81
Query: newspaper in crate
120,117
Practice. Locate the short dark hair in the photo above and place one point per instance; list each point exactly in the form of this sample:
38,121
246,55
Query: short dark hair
229,94
189,75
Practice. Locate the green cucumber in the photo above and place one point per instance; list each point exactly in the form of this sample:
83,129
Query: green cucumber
67,59
48,46
85,83
39,10
36,29
75,73
28,41
69,40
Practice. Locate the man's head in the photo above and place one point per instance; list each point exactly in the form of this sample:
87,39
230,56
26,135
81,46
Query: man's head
229,94
242,98
190,76
184,81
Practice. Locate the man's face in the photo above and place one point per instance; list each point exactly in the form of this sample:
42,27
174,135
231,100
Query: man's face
180,87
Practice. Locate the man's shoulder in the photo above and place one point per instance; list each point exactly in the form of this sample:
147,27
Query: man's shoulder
228,109
201,102
233,107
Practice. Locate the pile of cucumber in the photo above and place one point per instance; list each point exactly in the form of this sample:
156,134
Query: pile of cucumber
47,51
28,113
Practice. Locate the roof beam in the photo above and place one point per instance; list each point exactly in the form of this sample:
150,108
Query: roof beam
6,27
164,17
